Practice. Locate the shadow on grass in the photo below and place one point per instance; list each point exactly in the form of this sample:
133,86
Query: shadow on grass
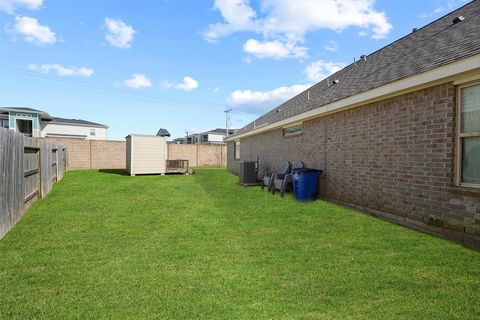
120,172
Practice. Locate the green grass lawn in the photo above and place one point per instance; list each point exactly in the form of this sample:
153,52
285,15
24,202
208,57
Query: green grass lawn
104,245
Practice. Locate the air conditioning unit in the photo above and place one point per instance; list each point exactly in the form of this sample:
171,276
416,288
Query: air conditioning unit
248,173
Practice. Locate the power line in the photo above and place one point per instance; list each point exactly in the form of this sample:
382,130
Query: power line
102,86
65,82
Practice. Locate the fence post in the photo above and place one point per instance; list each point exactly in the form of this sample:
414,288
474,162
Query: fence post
196,155
56,161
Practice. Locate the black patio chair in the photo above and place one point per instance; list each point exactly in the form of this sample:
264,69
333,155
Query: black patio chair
269,176
282,182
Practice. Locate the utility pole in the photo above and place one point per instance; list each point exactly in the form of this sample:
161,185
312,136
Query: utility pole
227,118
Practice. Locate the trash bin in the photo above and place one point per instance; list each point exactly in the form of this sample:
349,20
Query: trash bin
305,184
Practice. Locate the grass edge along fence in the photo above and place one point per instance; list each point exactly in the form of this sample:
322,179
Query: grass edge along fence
28,169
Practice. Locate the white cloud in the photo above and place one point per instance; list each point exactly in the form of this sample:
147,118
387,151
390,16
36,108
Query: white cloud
32,31
10,6
258,102
362,34
138,81
299,17
319,70
62,71
289,21
119,33
167,84
331,46
274,49
238,16
188,84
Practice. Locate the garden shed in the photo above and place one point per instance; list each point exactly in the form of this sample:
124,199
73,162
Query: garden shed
146,154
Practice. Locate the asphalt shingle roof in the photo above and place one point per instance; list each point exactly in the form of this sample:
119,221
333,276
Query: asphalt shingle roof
43,115
77,122
163,133
438,43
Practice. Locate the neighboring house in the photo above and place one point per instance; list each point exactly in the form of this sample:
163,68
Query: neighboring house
178,141
37,123
397,133
215,136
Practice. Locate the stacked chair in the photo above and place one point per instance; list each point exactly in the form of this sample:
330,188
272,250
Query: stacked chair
281,179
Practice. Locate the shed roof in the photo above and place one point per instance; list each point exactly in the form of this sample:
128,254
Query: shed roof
437,44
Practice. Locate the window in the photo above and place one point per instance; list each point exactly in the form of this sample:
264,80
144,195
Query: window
236,150
92,132
25,127
4,124
293,131
468,135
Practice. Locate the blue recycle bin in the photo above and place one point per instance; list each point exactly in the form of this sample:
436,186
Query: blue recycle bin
305,184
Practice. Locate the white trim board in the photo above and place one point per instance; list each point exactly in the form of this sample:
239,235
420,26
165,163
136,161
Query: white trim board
468,67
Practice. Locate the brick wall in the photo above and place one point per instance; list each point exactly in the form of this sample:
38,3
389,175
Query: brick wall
393,158
107,154
199,155
184,152
93,154
212,155
78,152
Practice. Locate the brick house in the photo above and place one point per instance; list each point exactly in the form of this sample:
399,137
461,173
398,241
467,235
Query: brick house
397,133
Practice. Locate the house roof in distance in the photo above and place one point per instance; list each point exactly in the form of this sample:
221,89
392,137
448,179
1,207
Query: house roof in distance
218,131
446,40
54,120
77,122
163,132
43,115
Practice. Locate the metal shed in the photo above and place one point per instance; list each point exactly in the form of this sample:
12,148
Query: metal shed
146,154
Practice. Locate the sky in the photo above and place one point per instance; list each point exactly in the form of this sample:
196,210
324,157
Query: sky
141,65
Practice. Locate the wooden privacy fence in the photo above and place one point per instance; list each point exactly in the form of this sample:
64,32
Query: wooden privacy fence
28,169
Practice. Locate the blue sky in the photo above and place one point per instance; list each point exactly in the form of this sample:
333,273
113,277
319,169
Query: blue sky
141,65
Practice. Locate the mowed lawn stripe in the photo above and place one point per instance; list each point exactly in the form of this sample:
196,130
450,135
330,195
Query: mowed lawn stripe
105,245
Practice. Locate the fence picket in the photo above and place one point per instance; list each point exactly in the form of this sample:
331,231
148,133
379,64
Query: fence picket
27,168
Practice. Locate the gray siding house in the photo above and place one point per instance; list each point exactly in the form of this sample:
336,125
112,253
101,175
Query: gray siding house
397,133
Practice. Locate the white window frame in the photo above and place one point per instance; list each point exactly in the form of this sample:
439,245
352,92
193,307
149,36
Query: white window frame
295,134
459,139
93,132
235,150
